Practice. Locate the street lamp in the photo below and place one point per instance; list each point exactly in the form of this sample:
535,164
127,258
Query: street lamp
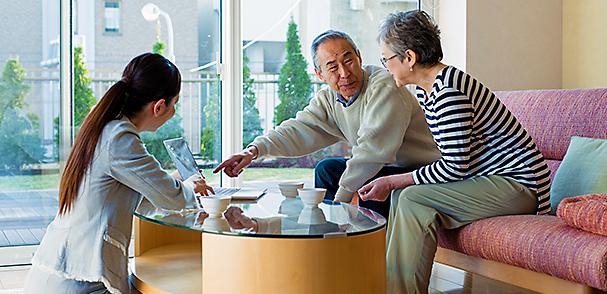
151,12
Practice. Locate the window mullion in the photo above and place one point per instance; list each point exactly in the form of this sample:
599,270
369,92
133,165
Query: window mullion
66,81
231,86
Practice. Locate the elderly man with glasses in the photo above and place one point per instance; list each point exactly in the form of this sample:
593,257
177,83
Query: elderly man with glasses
363,106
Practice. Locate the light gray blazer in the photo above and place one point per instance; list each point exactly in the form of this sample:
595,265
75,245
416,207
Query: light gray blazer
90,243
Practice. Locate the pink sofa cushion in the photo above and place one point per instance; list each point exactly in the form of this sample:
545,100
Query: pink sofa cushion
541,243
586,212
552,117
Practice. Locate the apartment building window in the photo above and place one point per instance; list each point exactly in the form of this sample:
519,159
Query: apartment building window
112,16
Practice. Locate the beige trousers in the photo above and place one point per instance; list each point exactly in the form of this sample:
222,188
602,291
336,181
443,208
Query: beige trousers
418,211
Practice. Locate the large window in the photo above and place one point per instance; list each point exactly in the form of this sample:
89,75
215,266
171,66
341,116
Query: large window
35,105
269,27
29,105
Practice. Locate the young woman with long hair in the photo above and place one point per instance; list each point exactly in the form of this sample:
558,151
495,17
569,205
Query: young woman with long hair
85,249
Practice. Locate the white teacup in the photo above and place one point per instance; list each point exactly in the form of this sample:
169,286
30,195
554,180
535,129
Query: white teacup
215,206
289,188
312,196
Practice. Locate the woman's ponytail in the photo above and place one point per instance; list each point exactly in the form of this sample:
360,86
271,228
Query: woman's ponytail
148,77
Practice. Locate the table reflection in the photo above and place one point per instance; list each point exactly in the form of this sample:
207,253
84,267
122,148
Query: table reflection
271,215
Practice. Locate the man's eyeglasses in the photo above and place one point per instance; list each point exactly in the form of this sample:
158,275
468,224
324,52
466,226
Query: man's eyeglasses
384,61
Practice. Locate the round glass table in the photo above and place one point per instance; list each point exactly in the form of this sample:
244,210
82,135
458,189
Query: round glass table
270,245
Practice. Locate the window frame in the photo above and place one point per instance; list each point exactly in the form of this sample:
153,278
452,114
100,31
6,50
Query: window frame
230,72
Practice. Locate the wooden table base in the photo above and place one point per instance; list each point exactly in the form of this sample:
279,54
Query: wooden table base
254,265
175,269
172,260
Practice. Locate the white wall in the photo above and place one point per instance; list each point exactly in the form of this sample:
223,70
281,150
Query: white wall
509,45
584,44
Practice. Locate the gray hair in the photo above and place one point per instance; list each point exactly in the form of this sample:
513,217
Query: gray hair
329,36
413,30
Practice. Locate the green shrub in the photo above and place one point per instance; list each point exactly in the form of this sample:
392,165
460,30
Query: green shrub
20,144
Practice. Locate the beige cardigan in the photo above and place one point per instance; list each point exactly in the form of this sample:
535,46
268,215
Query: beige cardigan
385,126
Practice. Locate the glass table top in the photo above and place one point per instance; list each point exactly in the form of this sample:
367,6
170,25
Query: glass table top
272,215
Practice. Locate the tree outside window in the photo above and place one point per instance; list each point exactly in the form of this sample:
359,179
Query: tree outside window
294,86
20,144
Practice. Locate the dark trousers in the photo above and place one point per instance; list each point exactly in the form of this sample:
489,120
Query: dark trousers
328,172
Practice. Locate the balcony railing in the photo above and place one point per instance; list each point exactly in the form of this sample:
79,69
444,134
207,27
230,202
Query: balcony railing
44,97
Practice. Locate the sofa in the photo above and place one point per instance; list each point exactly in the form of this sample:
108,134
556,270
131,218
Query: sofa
555,253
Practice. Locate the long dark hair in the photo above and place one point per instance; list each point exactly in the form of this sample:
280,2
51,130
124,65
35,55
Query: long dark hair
147,78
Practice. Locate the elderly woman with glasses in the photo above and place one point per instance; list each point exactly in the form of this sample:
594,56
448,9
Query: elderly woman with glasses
489,165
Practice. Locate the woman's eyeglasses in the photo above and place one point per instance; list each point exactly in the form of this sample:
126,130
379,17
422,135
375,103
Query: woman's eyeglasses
384,61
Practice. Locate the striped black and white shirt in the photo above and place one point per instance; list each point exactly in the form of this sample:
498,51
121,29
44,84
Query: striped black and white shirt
478,136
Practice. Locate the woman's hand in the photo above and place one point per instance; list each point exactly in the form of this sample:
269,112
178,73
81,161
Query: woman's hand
379,189
176,175
199,185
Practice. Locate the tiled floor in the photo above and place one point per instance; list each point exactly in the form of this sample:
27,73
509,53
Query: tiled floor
444,280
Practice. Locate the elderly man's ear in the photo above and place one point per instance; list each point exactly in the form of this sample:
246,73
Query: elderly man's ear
319,74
